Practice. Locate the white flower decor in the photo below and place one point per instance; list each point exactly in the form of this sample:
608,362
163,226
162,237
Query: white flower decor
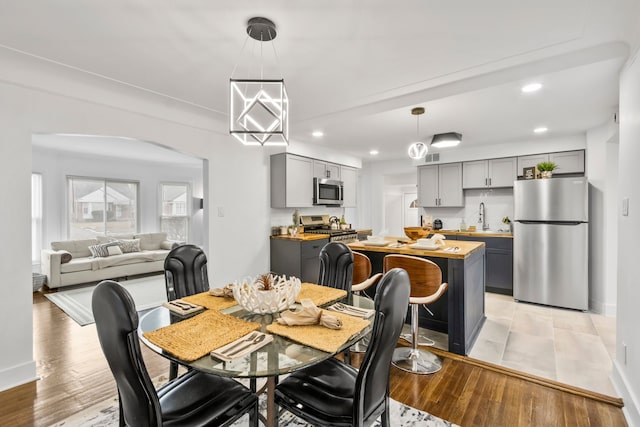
266,293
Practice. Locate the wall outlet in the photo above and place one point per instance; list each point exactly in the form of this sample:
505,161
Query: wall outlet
220,211
625,206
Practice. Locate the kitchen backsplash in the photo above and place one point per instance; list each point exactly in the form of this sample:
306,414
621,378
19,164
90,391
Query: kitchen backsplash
280,217
498,204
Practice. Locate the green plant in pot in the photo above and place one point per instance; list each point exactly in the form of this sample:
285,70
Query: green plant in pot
507,221
546,169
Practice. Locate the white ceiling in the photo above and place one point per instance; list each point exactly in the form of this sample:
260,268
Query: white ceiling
355,69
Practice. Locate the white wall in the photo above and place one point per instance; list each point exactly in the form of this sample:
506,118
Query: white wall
55,166
602,170
37,97
626,372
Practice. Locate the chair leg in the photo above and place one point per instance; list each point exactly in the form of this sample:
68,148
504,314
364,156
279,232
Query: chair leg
173,371
413,359
254,416
384,418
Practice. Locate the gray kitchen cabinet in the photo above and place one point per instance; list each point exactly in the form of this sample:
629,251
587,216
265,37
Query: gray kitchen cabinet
492,173
349,177
325,170
440,185
530,161
499,262
299,258
291,181
568,162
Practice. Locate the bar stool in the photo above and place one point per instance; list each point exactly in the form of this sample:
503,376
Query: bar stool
426,287
362,280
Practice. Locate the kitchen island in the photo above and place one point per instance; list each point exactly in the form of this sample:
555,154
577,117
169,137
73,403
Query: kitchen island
460,311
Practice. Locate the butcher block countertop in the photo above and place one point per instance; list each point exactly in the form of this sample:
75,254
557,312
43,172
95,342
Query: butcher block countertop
302,237
466,248
474,233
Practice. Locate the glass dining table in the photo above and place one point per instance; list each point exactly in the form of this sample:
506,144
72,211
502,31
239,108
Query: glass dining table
280,356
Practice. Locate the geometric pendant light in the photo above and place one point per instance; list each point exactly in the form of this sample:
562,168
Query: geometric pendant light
259,108
418,149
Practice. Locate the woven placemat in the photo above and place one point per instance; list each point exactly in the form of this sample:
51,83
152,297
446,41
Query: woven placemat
320,295
195,337
207,300
316,336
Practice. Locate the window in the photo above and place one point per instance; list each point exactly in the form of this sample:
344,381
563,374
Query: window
101,207
36,217
174,211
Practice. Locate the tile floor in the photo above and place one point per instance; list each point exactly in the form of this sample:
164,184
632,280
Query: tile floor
568,346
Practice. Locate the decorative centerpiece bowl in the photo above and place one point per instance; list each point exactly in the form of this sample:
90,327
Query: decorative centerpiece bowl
266,293
415,233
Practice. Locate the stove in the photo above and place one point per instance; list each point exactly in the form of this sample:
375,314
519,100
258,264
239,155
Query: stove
321,224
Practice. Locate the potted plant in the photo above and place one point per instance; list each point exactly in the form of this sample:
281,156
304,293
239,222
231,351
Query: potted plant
506,220
546,169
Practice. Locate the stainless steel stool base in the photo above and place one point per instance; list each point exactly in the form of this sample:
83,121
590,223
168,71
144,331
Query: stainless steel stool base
416,361
422,340
361,346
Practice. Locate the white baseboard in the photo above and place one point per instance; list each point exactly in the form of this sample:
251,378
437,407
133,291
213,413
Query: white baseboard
631,407
599,307
18,375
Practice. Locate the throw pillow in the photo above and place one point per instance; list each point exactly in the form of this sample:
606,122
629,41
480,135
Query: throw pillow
129,245
114,250
98,251
65,256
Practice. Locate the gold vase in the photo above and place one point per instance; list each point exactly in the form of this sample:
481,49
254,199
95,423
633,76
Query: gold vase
546,174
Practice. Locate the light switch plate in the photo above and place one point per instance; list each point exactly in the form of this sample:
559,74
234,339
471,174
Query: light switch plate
625,206
220,211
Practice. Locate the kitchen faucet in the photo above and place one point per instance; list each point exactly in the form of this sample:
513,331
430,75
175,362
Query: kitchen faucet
482,217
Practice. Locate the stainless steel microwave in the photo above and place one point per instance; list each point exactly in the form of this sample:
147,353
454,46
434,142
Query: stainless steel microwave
327,192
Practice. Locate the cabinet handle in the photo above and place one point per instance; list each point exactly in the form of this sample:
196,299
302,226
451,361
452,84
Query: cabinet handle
485,182
489,182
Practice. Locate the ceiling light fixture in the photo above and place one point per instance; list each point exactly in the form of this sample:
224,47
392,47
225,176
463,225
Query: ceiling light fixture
532,87
374,152
259,108
418,149
540,130
317,133
449,139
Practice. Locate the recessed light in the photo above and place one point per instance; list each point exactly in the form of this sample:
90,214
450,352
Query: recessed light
317,133
541,129
531,87
374,152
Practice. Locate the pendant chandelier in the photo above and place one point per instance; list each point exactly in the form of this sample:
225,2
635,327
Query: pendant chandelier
259,108
418,149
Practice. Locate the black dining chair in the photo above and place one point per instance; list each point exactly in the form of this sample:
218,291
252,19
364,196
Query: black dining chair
195,398
185,273
336,266
333,393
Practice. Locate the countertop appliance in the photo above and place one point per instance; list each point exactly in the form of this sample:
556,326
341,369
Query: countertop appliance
321,224
437,224
550,242
327,192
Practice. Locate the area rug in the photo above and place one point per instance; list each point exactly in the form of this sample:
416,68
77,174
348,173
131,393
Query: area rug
147,292
105,414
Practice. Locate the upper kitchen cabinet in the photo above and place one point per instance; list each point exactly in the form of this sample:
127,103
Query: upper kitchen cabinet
440,185
326,170
568,162
291,181
349,178
493,173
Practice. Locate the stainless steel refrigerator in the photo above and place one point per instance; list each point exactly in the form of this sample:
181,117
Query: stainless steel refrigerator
550,242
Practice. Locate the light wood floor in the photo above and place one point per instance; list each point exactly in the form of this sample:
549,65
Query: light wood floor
466,392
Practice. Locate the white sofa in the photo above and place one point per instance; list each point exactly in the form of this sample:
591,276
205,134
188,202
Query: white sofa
71,262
